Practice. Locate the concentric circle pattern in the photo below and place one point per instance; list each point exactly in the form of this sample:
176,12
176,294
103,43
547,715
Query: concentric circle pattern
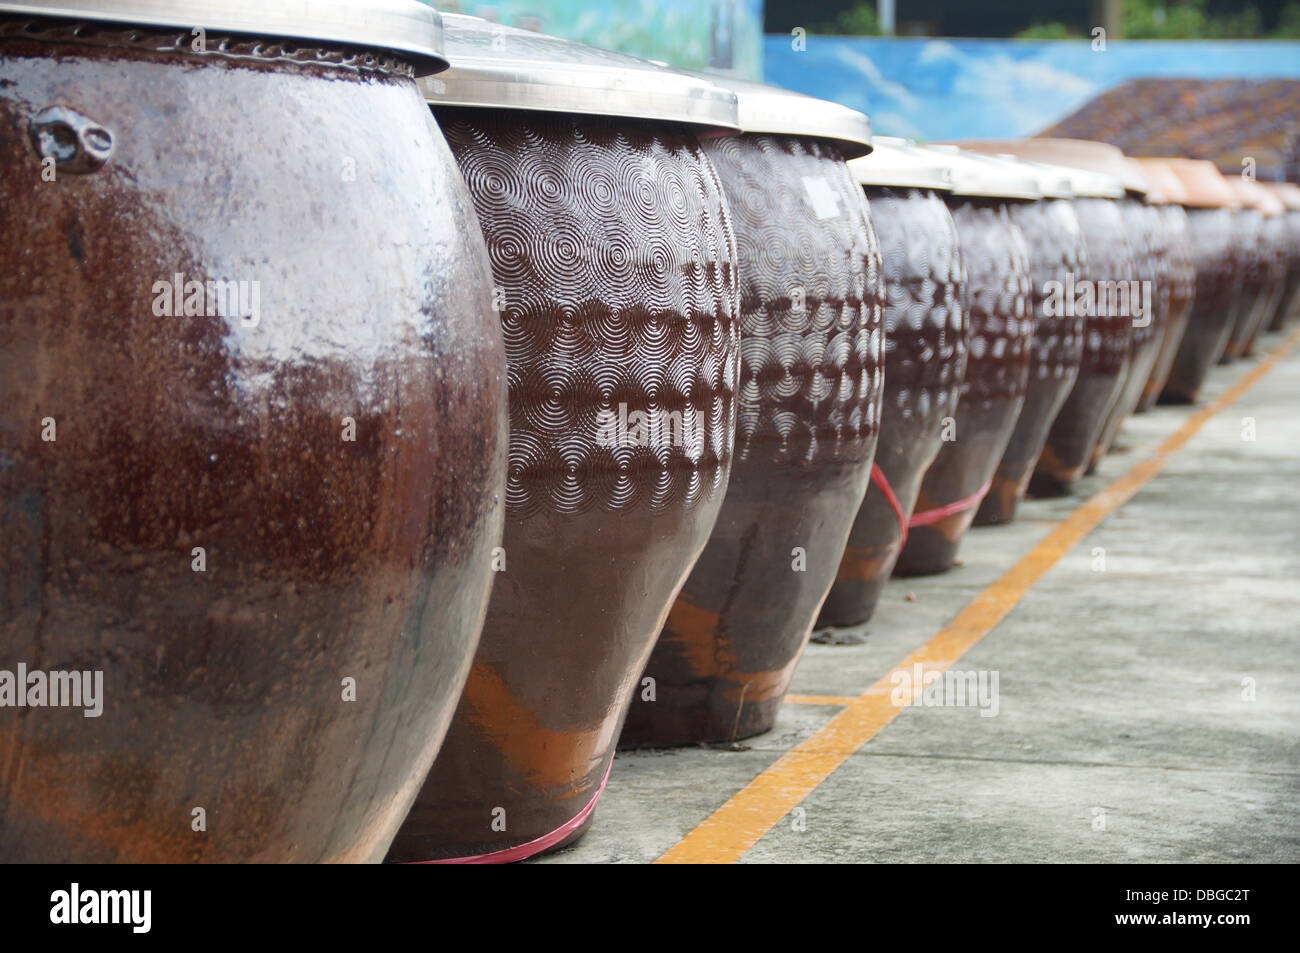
1107,336
997,300
811,301
614,261
925,323
1147,246
1056,251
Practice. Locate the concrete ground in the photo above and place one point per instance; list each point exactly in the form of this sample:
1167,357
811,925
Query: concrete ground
1148,709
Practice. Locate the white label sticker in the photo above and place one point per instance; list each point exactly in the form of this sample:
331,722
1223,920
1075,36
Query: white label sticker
821,197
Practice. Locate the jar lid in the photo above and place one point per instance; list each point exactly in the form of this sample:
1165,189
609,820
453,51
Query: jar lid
501,67
977,175
1288,193
1253,195
1164,182
901,163
408,28
772,109
1205,185
1085,181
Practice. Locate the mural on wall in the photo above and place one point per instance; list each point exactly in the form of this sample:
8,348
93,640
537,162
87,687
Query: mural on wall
722,35
935,88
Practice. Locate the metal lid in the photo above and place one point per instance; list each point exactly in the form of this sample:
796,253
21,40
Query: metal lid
1205,185
984,176
1164,182
408,28
1287,192
1092,156
901,163
1253,195
1083,183
501,67
1053,180
763,108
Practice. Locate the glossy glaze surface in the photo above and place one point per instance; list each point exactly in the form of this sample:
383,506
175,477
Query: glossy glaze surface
250,512
808,417
1254,255
1104,366
1288,309
1148,244
612,248
926,340
1056,251
1181,276
1001,318
1274,251
1216,262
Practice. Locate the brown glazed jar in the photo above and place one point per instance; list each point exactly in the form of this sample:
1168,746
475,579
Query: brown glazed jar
1274,247
1104,367
1264,280
1181,279
614,259
807,420
1001,317
1247,238
1170,197
1217,263
1056,252
925,363
1147,311
248,475
1288,309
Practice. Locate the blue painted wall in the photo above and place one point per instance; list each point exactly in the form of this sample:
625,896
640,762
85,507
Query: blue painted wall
932,88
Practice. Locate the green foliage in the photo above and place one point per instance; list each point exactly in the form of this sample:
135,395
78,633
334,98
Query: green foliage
1185,20
1045,31
859,20
1288,24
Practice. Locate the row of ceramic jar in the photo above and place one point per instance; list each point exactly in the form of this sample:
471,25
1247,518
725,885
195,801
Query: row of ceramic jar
338,434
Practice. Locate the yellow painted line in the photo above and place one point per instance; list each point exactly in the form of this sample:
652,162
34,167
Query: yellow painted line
736,826
819,699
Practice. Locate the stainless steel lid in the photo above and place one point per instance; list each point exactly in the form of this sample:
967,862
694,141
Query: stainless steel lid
1084,183
984,176
901,163
763,108
408,28
1094,185
504,68
1053,180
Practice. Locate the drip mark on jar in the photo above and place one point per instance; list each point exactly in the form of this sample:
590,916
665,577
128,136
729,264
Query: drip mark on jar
76,142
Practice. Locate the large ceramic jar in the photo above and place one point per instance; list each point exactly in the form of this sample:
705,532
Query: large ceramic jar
1056,257
250,474
1104,368
925,362
1288,309
1217,265
999,308
1148,310
808,416
1100,178
614,260
1256,271
1275,259
1181,273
